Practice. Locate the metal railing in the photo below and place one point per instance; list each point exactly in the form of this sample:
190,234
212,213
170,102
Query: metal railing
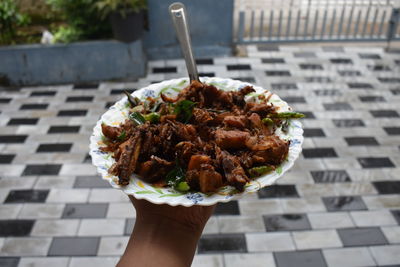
323,20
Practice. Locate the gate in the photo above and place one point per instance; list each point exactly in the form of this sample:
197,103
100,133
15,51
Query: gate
320,21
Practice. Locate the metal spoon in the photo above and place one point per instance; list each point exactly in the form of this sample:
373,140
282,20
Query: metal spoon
178,15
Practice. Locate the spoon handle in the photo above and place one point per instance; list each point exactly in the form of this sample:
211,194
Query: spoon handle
178,15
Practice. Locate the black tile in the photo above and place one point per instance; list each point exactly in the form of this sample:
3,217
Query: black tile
305,54
347,123
327,92
27,196
273,60
63,129
277,191
367,236
369,56
129,224
86,86
165,70
341,61
343,203
109,104
267,47
121,91
245,79
79,99
361,141
387,187
308,66
372,98
321,152
384,113
228,208
396,215
355,85
330,176
286,222
90,182
317,79
23,121
9,261
337,106
238,67
72,113
277,73
47,148
205,61
392,130
95,210
389,80
349,73
42,169
314,132
44,93
4,100
379,68
74,246
34,106
377,162
294,99
6,158
307,114
395,91
284,86
397,61
12,139
206,74
87,159
15,227
308,258
222,243
332,49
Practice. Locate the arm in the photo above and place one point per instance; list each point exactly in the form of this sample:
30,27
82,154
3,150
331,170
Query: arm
164,235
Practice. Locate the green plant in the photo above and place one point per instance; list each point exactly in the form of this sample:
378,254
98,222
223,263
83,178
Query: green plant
106,7
82,18
66,34
10,18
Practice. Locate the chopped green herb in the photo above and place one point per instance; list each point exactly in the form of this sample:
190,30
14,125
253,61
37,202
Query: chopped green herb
183,187
137,118
183,110
175,177
258,171
153,117
133,101
267,121
122,136
287,115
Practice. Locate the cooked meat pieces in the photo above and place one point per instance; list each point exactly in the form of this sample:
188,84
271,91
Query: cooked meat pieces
221,140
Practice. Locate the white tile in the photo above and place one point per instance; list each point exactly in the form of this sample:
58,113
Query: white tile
316,239
330,220
253,260
68,196
259,242
212,226
382,202
207,261
295,205
373,218
108,195
34,246
2,240
94,261
112,246
386,255
392,233
104,227
121,210
348,257
43,211
78,169
16,183
240,224
43,262
10,211
259,207
55,228
55,182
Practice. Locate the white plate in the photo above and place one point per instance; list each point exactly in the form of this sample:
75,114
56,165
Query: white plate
142,190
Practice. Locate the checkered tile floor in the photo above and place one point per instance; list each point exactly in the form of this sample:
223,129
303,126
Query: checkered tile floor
339,206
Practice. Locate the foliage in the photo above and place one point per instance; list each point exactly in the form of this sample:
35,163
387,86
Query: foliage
66,34
83,20
10,18
106,7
